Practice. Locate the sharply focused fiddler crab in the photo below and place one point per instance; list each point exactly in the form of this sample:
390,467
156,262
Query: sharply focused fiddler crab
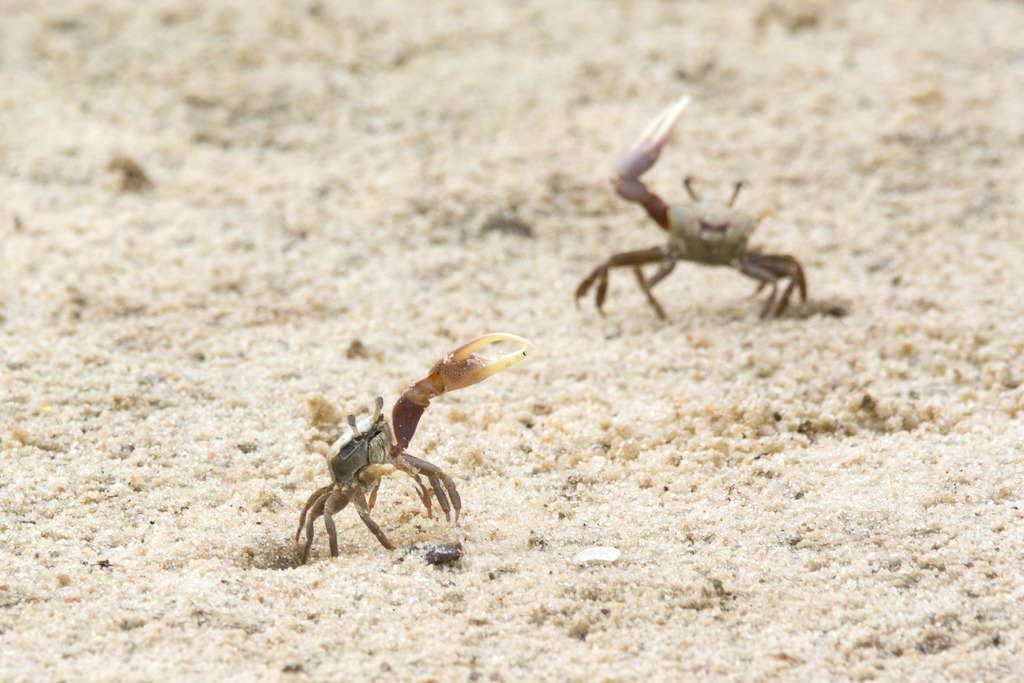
376,447
705,232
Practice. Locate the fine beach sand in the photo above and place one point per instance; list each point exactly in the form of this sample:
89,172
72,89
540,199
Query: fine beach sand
224,226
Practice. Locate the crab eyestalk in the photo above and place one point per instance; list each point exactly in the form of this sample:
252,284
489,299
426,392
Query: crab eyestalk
457,369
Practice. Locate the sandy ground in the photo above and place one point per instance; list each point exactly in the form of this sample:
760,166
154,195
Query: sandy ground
214,216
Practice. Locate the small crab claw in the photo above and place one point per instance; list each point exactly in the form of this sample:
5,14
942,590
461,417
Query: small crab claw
457,369
648,148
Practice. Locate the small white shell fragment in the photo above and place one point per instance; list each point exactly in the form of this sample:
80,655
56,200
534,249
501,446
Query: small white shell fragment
601,553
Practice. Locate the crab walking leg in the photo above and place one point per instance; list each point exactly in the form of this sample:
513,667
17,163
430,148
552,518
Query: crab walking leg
629,258
643,155
768,269
364,513
309,504
458,369
435,475
332,533
335,504
370,476
316,511
372,498
424,496
442,500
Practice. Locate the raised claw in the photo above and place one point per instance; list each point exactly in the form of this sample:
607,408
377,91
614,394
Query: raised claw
460,368
648,147
457,369
645,152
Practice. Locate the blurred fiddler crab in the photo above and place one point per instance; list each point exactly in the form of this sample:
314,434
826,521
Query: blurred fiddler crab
376,447
700,231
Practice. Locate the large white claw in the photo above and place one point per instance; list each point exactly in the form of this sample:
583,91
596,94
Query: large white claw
660,129
648,147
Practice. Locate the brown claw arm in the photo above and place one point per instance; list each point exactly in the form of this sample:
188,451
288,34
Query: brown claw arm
457,369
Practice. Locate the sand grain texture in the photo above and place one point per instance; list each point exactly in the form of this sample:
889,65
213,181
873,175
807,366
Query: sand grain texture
225,225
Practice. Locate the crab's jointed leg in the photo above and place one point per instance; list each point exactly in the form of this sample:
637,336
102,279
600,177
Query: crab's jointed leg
643,155
767,269
457,369
364,514
313,500
635,259
435,475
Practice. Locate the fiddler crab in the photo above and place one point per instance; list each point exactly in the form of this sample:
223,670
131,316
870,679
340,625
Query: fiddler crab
375,447
700,231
